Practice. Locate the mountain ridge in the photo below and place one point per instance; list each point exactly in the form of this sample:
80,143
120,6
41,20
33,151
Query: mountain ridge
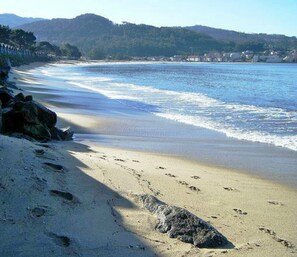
94,34
13,20
98,36
236,36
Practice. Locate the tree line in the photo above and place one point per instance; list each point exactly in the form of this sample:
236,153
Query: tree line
23,40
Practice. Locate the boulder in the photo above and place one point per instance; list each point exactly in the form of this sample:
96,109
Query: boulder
28,98
65,134
37,131
183,225
5,96
11,121
22,117
45,115
27,111
4,71
0,116
19,97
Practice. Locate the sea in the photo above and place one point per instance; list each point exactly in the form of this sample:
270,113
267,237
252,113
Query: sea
254,102
240,116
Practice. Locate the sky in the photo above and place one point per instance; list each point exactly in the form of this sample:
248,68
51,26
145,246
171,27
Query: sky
250,16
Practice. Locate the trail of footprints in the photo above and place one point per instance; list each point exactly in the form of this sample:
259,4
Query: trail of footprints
69,198
276,238
66,197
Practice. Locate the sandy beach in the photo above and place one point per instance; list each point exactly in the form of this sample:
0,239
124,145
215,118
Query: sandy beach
81,198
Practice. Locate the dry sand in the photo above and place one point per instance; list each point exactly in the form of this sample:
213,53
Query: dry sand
88,206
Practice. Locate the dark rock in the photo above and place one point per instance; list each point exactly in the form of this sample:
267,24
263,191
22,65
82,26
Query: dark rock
23,118
21,115
62,134
4,71
19,97
0,116
10,121
5,96
180,223
28,98
37,131
27,111
45,115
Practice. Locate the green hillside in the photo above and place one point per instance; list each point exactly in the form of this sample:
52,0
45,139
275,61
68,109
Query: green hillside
277,42
98,37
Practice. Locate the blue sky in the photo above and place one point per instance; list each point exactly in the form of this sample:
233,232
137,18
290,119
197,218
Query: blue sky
252,16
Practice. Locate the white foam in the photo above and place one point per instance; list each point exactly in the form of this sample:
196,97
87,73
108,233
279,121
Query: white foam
289,142
189,108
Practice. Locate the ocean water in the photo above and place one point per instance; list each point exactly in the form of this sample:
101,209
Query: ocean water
254,102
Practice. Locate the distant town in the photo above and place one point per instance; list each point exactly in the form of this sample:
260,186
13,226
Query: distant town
245,56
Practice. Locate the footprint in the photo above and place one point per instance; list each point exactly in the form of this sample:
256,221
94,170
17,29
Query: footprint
44,145
275,203
161,168
40,183
55,167
195,177
193,188
119,160
65,195
276,238
170,175
39,152
135,161
63,241
230,189
182,183
38,212
240,212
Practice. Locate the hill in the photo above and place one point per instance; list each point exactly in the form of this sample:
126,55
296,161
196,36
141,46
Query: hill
97,36
13,20
273,40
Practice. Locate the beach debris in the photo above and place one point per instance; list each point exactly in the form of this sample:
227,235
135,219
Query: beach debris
183,225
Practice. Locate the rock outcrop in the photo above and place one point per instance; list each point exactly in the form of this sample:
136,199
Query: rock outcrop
180,223
21,114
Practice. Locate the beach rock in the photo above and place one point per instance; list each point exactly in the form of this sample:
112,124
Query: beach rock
28,98
20,115
4,71
5,96
65,134
183,225
23,118
19,97
10,120
0,116
27,112
45,115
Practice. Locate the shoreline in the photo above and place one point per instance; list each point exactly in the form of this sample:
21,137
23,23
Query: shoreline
105,218
112,123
